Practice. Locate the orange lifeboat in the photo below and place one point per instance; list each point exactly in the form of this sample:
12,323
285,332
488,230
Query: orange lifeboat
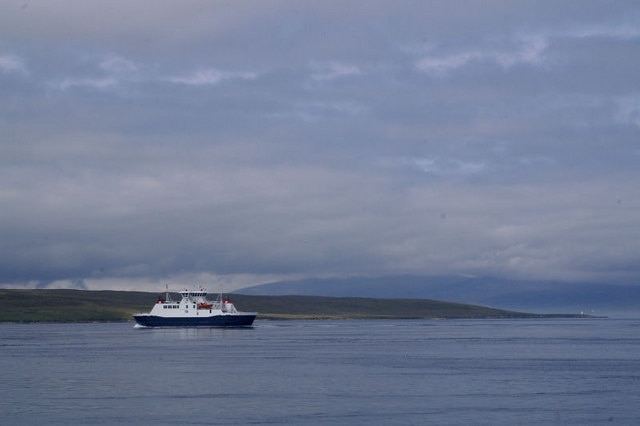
204,305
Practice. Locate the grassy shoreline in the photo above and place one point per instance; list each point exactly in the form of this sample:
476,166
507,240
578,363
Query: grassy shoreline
29,306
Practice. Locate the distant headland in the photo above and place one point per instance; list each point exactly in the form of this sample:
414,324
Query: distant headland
88,306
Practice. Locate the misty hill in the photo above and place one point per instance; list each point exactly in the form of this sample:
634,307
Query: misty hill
546,296
83,305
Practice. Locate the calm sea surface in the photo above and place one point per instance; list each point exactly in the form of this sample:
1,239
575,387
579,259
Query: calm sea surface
449,372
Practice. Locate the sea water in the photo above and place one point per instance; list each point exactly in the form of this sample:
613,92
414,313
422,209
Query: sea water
357,372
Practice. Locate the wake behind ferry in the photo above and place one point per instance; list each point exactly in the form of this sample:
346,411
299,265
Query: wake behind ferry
194,310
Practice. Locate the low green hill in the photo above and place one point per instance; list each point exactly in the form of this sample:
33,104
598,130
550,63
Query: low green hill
86,306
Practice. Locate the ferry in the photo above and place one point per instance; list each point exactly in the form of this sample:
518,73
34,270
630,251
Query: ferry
194,310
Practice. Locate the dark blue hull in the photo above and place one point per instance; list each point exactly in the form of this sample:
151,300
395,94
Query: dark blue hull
241,320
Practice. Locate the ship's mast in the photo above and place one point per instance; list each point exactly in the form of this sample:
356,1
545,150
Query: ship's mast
220,295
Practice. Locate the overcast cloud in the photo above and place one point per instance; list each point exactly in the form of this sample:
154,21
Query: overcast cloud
145,142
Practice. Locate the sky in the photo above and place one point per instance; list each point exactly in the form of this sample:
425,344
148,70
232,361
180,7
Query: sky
233,143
